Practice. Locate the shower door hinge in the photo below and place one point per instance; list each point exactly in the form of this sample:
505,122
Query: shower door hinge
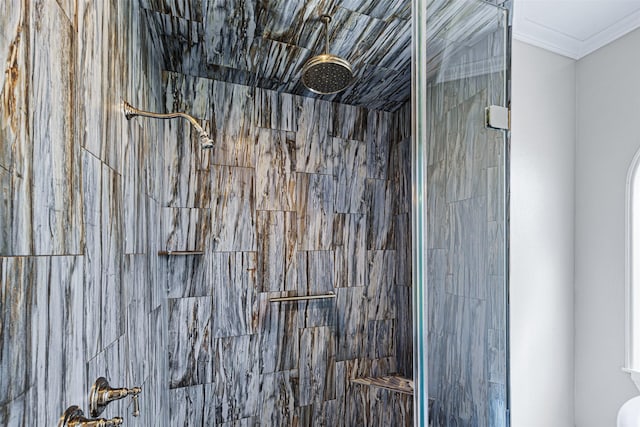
497,117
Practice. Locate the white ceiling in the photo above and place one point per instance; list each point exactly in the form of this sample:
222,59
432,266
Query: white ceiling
574,28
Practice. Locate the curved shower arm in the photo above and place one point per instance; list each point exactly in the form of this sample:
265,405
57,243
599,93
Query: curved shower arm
131,112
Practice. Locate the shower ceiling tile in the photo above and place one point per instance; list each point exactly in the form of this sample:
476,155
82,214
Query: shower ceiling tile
265,44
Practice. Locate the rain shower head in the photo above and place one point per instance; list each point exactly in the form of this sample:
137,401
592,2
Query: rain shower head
326,74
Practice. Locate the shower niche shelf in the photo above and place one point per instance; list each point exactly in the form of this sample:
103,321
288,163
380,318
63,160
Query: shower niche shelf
391,382
180,253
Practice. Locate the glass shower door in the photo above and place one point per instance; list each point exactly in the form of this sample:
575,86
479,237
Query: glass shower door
460,214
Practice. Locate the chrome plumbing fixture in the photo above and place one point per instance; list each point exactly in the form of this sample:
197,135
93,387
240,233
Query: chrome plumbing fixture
102,394
130,112
326,74
74,417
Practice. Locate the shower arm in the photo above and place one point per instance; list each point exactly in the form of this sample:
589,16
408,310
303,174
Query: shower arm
326,19
131,112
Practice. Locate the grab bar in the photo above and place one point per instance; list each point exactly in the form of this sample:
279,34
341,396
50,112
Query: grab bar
303,297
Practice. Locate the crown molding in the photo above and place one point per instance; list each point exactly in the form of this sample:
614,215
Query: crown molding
556,41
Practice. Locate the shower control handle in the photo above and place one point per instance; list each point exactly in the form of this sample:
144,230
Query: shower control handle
74,417
102,394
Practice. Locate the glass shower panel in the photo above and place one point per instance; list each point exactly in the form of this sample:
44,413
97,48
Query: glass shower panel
465,167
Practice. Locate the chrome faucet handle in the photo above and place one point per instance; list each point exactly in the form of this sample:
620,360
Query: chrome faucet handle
102,394
74,417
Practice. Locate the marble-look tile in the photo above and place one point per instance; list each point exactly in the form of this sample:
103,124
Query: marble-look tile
278,332
458,359
16,232
497,355
389,408
230,114
400,173
188,276
92,184
349,240
135,201
498,404
228,110
380,289
381,338
380,224
467,255
496,248
378,140
402,124
12,80
191,354
276,110
136,328
230,50
320,414
350,171
234,287
279,398
233,209
438,222
275,170
404,330
186,167
185,229
351,320
277,251
313,272
463,168
56,334
348,122
235,391
111,247
185,406
157,391
15,413
54,151
496,288
92,67
315,278
404,252
158,268
277,65
314,153
315,199
353,399
316,366
495,194
244,422
16,294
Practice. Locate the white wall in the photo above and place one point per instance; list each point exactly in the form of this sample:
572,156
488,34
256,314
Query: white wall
608,126
542,237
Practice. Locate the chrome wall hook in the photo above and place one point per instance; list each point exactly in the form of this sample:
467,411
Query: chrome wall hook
74,417
130,112
102,394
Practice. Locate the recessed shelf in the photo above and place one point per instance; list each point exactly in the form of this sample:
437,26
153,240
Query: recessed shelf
179,253
390,382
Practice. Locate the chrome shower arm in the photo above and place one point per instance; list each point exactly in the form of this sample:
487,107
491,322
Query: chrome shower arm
131,112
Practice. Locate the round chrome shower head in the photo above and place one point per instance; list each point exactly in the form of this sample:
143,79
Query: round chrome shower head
326,74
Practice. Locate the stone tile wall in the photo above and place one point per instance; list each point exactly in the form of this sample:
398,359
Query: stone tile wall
299,196
81,294
306,197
